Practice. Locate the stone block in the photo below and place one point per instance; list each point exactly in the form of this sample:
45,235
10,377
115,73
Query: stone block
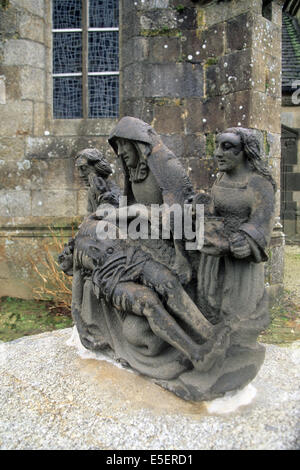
207,116
265,112
148,5
174,80
175,143
194,116
157,21
16,175
32,84
134,50
215,13
277,12
266,36
234,72
134,74
293,181
239,33
140,108
11,79
213,115
31,27
296,196
39,114
162,80
53,173
194,146
2,90
12,148
164,50
48,147
15,203
59,203
201,45
237,109
168,119
186,17
8,23
202,172
23,52
274,167
44,148
36,7
77,127
16,118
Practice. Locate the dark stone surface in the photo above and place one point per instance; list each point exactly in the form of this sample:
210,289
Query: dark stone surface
189,319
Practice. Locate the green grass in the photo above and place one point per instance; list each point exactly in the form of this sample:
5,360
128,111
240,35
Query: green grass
285,321
20,317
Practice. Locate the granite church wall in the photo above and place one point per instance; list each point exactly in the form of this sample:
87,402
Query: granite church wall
188,68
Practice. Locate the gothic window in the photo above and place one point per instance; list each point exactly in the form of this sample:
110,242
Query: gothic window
85,58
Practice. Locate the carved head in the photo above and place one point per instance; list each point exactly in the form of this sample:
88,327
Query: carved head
229,151
135,130
128,151
244,145
89,161
132,140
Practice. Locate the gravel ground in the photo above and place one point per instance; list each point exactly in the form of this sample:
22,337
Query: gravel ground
51,398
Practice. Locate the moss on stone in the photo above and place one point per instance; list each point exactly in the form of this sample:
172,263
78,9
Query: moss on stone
200,21
210,144
180,8
266,144
211,61
168,102
4,4
164,31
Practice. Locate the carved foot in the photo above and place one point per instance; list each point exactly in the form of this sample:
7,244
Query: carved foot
213,350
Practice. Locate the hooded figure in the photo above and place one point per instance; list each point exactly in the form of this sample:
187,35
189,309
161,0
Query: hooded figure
156,178
155,159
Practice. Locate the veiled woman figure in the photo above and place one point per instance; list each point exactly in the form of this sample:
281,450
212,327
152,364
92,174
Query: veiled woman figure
238,224
152,175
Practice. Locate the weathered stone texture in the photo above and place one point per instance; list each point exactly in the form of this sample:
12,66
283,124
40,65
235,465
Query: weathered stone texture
22,52
47,202
219,61
18,119
31,27
188,69
36,7
15,203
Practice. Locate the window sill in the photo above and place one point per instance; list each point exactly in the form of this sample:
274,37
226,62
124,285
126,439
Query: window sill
65,127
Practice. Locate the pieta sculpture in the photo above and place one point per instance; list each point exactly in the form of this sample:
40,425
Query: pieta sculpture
185,314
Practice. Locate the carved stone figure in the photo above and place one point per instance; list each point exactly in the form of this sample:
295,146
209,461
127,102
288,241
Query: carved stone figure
94,170
187,319
153,175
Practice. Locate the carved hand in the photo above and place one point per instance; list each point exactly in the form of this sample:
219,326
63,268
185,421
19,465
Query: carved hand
239,246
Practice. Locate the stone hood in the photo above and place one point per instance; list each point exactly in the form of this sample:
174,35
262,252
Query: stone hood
170,175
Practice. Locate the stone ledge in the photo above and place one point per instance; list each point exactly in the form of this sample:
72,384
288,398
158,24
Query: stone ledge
51,398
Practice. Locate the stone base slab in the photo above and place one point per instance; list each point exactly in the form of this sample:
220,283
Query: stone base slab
53,398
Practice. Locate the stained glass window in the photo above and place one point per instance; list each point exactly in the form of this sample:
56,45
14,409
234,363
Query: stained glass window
85,58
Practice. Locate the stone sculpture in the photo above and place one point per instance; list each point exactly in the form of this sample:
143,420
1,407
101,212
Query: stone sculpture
188,319
94,170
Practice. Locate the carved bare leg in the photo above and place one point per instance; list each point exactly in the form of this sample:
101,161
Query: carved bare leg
142,301
166,284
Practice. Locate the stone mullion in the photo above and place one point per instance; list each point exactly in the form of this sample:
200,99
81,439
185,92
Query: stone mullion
85,100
